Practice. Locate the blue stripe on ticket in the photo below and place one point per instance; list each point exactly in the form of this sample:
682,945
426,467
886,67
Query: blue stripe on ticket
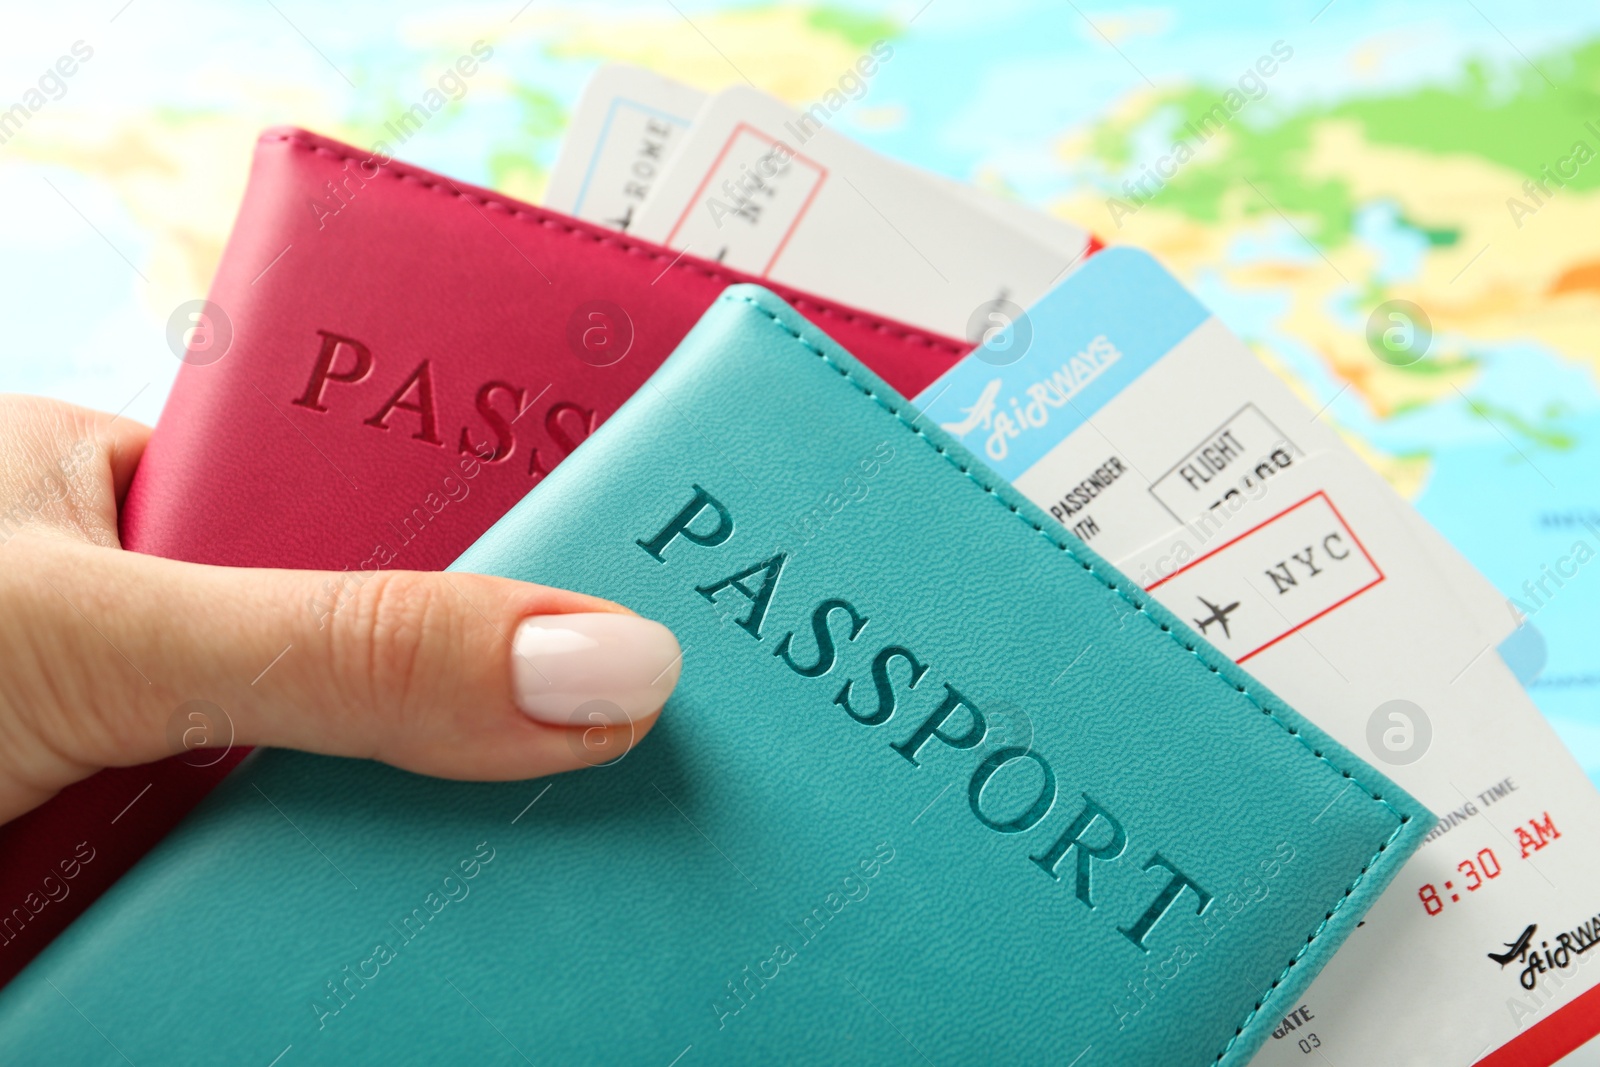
1083,343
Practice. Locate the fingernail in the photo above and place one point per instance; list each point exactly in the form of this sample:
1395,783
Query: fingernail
593,667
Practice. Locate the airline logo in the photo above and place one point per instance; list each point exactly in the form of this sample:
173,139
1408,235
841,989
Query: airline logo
1005,422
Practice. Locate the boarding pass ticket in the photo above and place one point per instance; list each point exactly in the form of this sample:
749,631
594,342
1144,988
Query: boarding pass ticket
1124,409
743,178
629,124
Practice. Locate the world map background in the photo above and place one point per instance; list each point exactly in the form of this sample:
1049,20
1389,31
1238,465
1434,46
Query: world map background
1386,158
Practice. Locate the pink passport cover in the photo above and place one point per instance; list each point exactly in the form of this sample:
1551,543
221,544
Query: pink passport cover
386,323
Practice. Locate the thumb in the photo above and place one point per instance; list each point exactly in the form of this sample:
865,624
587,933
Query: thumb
457,675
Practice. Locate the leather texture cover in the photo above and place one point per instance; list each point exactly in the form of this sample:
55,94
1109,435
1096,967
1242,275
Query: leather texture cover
378,322
938,785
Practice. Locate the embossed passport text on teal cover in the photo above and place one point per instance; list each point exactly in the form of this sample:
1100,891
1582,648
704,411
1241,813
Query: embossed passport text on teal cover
937,786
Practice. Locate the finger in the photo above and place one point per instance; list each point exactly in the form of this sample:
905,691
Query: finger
65,469
457,675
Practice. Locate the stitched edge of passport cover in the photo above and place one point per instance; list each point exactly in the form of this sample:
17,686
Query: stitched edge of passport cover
1228,673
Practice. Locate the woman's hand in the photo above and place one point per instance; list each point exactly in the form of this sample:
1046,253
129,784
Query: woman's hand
455,675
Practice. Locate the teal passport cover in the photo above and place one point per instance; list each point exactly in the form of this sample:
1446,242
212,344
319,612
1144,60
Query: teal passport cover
938,786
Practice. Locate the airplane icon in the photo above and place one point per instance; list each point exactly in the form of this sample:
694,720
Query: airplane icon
1516,948
1219,615
979,414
